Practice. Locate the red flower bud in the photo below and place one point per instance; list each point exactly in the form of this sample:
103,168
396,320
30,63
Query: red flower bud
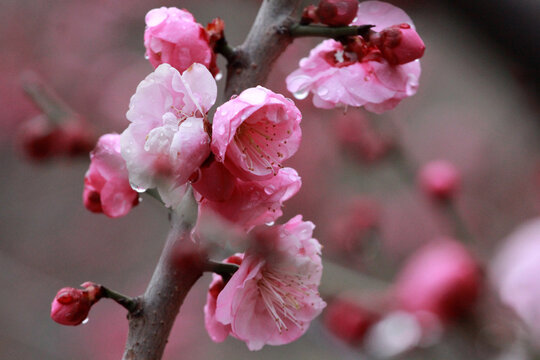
337,12
439,179
39,138
349,320
399,44
71,306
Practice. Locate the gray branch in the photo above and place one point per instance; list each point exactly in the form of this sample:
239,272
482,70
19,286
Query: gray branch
268,38
179,267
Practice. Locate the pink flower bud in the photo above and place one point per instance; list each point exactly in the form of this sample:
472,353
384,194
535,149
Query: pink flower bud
349,320
439,179
71,306
399,44
442,279
337,12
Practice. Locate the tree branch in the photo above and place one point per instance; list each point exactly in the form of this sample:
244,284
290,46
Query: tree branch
179,267
267,39
329,32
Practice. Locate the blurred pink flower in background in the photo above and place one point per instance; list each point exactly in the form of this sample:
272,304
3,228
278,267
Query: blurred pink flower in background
348,319
166,140
439,179
357,74
272,298
253,133
442,279
106,183
515,270
173,36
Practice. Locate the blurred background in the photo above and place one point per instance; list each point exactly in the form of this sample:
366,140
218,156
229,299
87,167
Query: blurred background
394,288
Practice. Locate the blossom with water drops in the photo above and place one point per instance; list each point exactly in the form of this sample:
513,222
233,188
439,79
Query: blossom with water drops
251,203
273,296
173,36
253,133
358,72
166,140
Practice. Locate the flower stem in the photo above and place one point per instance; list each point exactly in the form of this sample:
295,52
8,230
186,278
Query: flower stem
130,304
223,48
224,269
329,32
45,98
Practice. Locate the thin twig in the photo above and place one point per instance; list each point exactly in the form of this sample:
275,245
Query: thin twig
127,302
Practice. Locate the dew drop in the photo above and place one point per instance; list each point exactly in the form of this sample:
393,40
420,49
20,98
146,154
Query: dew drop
234,97
301,94
146,56
219,76
137,188
270,223
85,321
323,91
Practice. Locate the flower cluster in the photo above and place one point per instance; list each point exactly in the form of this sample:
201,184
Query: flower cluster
234,162
376,71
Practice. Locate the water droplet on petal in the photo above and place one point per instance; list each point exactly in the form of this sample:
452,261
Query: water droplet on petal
137,188
323,91
269,190
301,94
234,97
270,223
219,76
146,56
85,321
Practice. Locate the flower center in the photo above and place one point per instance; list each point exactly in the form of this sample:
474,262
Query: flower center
262,144
283,295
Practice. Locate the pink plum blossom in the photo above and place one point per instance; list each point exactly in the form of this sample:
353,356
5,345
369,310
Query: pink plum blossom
253,133
173,36
514,272
358,74
442,278
253,203
166,140
272,297
106,184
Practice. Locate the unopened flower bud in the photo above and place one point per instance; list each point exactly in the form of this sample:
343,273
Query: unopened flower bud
337,12
399,44
39,138
309,15
439,179
71,306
